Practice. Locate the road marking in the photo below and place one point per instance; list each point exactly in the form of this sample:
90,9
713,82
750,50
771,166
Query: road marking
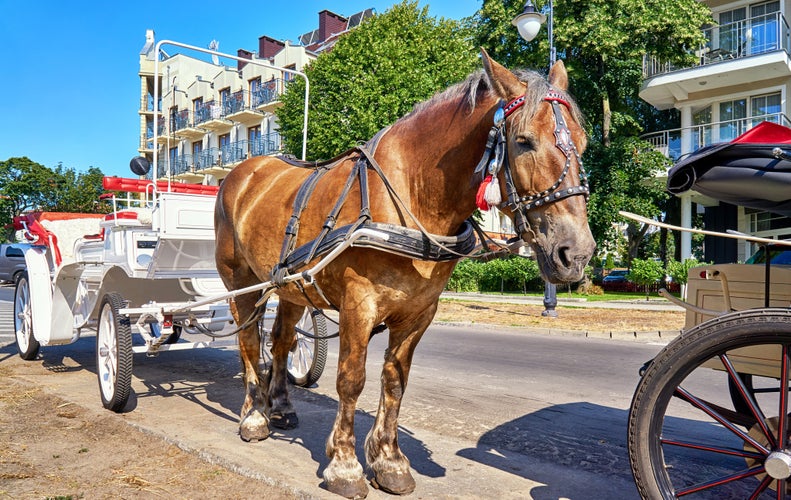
6,320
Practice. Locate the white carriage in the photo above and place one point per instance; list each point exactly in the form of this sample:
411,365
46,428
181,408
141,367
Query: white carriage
146,268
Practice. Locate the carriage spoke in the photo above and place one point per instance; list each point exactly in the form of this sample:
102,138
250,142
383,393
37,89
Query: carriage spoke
767,480
713,449
782,423
708,410
749,399
719,482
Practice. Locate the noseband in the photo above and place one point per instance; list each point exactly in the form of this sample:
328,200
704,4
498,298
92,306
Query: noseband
496,155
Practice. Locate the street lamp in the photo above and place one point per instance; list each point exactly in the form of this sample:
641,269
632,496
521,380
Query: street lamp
528,23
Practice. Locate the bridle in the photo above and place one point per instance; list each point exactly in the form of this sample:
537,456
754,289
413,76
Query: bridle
496,156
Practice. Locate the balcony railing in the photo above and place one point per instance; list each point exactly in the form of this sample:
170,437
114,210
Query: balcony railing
207,111
757,35
269,91
224,156
670,142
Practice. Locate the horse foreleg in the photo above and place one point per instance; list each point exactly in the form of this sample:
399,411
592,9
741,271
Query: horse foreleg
344,474
254,420
283,415
389,465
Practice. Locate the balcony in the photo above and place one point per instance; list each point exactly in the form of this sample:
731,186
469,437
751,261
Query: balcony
734,54
239,108
672,142
164,134
184,127
217,161
210,116
267,98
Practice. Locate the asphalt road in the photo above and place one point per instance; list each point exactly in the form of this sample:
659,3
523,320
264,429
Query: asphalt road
488,413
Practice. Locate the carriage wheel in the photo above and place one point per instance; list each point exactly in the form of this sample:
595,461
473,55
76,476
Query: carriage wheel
688,434
114,354
308,355
26,342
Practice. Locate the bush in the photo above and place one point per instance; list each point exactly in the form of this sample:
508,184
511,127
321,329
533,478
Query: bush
465,276
646,273
510,274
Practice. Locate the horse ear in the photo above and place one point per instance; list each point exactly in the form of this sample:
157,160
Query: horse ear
504,83
558,77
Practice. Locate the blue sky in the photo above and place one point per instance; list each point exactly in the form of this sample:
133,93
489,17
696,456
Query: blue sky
69,81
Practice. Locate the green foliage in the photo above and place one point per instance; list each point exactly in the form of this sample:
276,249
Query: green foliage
512,274
679,271
624,176
602,43
646,273
26,185
465,276
373,76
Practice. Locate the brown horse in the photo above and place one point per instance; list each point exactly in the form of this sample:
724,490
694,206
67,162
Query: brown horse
429,158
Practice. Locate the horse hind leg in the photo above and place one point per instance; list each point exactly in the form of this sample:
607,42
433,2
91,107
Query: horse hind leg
254,415
282,414
383,455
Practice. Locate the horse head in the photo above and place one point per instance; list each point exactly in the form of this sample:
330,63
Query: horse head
542,178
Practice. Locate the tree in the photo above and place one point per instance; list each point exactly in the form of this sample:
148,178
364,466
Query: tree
646,273
26,185
374,75
602,43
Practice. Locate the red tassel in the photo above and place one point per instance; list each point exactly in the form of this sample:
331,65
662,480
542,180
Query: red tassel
480,198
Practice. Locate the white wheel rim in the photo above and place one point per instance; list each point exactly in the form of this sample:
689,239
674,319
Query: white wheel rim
107,352
23,317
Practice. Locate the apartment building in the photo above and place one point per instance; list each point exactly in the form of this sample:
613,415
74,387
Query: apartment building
212,116
740,78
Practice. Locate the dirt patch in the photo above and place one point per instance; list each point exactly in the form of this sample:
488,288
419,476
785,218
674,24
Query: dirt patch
53,449
569,318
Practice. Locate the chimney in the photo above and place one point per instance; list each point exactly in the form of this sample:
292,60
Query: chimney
268,47
246,54
330,24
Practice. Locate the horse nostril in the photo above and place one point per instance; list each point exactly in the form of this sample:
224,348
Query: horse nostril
563,256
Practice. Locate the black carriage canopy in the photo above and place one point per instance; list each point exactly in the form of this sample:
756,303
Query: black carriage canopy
748,171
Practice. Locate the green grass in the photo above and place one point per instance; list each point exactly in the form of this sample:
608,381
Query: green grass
563,294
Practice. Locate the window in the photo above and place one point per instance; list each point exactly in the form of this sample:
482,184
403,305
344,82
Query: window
763,32
288,76
732,30
14,252
732,123
255,92
197,147
766,108
254,141
702,130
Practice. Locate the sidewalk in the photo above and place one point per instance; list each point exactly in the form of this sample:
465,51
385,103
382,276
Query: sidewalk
654,304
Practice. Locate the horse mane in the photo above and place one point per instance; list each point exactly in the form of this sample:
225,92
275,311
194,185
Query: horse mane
468,92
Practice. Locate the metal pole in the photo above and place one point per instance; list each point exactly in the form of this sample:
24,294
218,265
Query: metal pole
552,54
550,290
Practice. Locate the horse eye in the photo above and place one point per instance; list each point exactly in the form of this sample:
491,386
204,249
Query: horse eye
525,142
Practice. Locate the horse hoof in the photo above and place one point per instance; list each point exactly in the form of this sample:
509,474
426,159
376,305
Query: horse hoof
347,488
284,421
254,427
397,483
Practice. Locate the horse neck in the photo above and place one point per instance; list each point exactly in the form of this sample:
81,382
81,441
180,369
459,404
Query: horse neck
438,149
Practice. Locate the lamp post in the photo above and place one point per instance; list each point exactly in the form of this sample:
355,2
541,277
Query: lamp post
528,23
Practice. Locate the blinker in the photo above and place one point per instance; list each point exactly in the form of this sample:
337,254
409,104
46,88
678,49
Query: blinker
499,117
